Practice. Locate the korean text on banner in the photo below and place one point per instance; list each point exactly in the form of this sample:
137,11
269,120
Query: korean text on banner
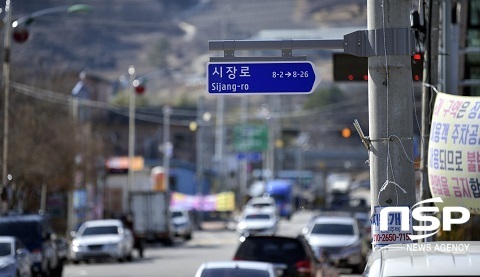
454,151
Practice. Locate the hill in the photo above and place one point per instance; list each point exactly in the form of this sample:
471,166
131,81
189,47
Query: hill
153,34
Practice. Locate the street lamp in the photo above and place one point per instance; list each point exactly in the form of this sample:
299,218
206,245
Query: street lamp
21,34
202,118
20,31
167,145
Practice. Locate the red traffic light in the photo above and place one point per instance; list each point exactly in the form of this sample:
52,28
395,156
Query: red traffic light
140,89
20,35
139,86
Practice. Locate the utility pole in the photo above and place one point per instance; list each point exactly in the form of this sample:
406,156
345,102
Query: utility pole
6,87
244,162
390,90
430,77
131,135
199,156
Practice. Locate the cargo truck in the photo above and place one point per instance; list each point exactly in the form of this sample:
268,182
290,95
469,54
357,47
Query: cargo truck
151,216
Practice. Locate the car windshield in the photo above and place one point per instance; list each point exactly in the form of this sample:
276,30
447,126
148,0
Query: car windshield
177,214
233,272
257,216
261,205
5,249
332,229
100,230
275,250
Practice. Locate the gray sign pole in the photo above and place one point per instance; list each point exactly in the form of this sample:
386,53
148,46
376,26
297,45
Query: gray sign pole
390,92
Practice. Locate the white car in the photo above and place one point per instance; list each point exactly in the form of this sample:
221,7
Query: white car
258,223
15,259
340,238
264,203
182,224
100,239
439,258
236,268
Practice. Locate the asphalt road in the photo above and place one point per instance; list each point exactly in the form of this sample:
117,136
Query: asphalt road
214,242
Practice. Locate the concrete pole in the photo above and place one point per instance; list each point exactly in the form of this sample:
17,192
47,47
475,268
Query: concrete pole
131,136
430,77
167,154
199,156
167,145
6,87
219,141
390,90
243,163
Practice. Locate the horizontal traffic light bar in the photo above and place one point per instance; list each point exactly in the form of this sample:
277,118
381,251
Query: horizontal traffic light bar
361,43
352,68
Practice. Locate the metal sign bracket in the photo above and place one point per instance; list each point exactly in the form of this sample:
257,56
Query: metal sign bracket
362,43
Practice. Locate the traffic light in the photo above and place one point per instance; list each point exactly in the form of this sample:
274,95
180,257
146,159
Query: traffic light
20,34
349,68
346,132
139,86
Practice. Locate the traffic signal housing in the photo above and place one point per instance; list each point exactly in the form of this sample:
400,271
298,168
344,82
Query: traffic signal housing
20,34
349,68
139,86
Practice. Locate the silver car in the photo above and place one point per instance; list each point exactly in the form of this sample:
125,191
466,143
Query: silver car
339,238
101,239
15,259
236,268
182,224
257,223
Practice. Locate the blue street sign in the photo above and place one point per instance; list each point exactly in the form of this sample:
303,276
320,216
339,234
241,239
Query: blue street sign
260,77
250,156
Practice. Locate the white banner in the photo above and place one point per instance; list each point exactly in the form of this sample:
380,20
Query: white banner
454,151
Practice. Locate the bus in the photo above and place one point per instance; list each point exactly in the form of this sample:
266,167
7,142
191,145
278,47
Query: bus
282,191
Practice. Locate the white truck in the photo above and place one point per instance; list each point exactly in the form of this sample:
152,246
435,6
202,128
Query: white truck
151,216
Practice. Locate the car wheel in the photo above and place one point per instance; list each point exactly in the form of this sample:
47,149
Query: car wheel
129,256
57,272
188,236
46,272
358,269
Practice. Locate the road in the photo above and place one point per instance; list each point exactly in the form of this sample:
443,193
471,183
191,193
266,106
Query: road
181,260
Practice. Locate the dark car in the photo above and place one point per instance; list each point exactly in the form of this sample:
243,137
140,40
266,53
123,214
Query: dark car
293,255
37,235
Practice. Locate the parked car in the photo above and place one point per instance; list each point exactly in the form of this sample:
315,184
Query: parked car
101,239
37,234
62,247
257,223
439,258
236,269
15,259
292,255
263,203
182,223
340,238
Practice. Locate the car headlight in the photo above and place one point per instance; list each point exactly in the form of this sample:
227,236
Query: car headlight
242,225
75,243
